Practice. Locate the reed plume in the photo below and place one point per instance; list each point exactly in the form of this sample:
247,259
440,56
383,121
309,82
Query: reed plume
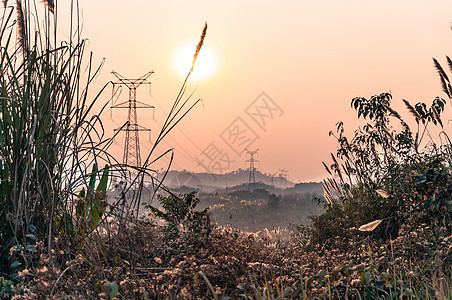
440,70
449,62
21,26
412,110
397,115
50,5
327,169
199,46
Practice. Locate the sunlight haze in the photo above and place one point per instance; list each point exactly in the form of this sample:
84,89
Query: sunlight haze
305,59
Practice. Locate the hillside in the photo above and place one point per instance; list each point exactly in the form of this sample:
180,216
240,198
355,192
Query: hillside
211,181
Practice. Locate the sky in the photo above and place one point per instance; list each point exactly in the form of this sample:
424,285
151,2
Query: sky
284,72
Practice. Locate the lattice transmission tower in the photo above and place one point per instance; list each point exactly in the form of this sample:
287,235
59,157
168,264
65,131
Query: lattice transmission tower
272,178
252,169
132,156
282,177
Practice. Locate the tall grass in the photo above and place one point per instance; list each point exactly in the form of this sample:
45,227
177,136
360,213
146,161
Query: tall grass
48,137
54,164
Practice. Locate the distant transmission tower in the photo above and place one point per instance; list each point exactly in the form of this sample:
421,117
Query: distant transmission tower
132,156
282,176
252,169
272,176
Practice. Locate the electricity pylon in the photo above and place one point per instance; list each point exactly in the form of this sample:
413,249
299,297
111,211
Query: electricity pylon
252,169
282,176
272,176
132,156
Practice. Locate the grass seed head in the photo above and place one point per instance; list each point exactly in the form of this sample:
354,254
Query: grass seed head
199,46
50,5
21,26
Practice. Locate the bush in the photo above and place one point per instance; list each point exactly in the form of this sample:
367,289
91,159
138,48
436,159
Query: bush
180,214
273,200
381,174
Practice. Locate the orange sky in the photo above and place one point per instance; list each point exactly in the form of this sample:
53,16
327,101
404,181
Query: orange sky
309,57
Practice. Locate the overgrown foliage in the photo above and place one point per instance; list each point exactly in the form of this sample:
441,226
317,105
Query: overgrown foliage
388,172
179,213
48,134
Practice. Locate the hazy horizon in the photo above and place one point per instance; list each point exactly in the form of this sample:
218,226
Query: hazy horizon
300,62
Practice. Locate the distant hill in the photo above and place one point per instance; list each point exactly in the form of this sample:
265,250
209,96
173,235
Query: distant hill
311,187
212,182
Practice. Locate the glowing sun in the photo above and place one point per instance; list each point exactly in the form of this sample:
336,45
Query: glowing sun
205,66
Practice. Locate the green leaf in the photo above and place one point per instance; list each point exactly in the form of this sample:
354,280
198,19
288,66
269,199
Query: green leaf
98,209
32,228
31,237
95,218
92,180
98,285
15,264
30,248
421,178
365,277
68,225
5,286
104,180
310,280
81,207
15,277
18,222
386,277
337,269
112,288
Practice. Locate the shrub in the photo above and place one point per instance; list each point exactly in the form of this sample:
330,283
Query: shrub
180,215
383,174
273,200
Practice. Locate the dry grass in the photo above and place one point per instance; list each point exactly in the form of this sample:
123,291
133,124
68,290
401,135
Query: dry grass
239,265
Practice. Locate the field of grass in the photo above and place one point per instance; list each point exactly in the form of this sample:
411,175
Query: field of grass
225,263
384,232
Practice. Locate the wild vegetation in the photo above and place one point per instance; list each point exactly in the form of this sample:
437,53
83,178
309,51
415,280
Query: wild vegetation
385,233
49,139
